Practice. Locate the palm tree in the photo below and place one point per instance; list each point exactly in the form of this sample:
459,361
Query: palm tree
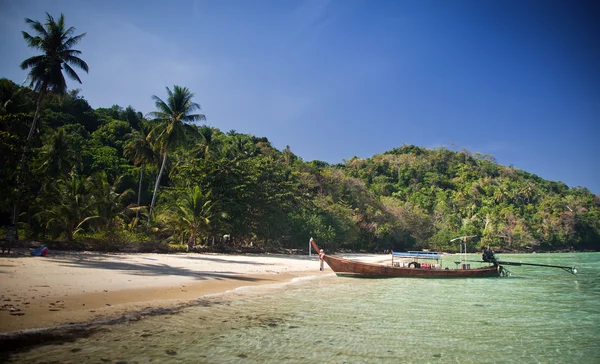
74,205
47,69
192,214
207,142
57,155
172,117
139,148
241,147
110,204
46,74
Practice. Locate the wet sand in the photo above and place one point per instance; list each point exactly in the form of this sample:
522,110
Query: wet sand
68,287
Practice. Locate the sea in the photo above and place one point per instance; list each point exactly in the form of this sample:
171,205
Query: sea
535,315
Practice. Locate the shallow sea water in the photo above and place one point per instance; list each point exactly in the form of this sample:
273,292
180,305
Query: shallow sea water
538,315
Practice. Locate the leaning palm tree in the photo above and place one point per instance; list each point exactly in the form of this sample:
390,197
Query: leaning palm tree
46,70
46,74
172,117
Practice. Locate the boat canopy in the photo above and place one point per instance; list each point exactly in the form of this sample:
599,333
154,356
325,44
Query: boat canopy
420,255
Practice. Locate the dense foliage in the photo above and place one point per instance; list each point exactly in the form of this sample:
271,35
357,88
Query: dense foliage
91,173
69,172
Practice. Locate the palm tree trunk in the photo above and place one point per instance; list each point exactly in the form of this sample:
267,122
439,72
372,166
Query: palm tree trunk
35,117
16,207
137,213
156,186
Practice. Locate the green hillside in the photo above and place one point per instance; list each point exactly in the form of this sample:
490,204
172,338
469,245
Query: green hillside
82,171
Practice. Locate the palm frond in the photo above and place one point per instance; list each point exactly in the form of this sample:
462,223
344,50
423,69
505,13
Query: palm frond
73,40
76,61
79,226
37,26
71,73
33,42
161,105
32,61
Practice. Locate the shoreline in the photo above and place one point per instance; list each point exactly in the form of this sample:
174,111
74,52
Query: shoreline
79,289
26,339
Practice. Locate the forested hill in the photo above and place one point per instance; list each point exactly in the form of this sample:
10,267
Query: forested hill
440,194
90,175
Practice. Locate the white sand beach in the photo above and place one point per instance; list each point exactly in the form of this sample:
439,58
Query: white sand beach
75,287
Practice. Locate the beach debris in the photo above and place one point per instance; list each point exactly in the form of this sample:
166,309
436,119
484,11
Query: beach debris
17,313
171,352
75,350
39,252
242,356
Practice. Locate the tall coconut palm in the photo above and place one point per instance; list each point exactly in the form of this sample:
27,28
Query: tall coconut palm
172,117
139,149
46,74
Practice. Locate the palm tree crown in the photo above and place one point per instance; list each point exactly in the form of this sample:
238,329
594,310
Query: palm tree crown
55,41
173,114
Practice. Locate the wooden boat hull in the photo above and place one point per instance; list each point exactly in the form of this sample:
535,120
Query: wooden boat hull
345,267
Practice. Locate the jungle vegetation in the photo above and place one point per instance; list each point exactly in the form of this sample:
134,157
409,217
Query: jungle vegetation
117,178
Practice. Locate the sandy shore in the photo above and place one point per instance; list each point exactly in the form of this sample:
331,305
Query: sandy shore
68,287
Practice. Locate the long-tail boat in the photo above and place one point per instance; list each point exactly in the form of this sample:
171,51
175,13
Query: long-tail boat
414,269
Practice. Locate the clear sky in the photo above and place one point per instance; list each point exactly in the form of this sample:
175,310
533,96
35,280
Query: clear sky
335,79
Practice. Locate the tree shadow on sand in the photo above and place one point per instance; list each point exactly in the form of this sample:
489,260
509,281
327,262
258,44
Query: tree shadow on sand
219,260
153,270
20,253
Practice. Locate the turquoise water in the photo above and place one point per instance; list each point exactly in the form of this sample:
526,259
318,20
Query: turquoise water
538,315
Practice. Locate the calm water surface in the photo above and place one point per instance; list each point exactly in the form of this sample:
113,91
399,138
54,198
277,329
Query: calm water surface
538,315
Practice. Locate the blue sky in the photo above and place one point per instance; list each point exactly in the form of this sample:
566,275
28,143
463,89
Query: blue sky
335,79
